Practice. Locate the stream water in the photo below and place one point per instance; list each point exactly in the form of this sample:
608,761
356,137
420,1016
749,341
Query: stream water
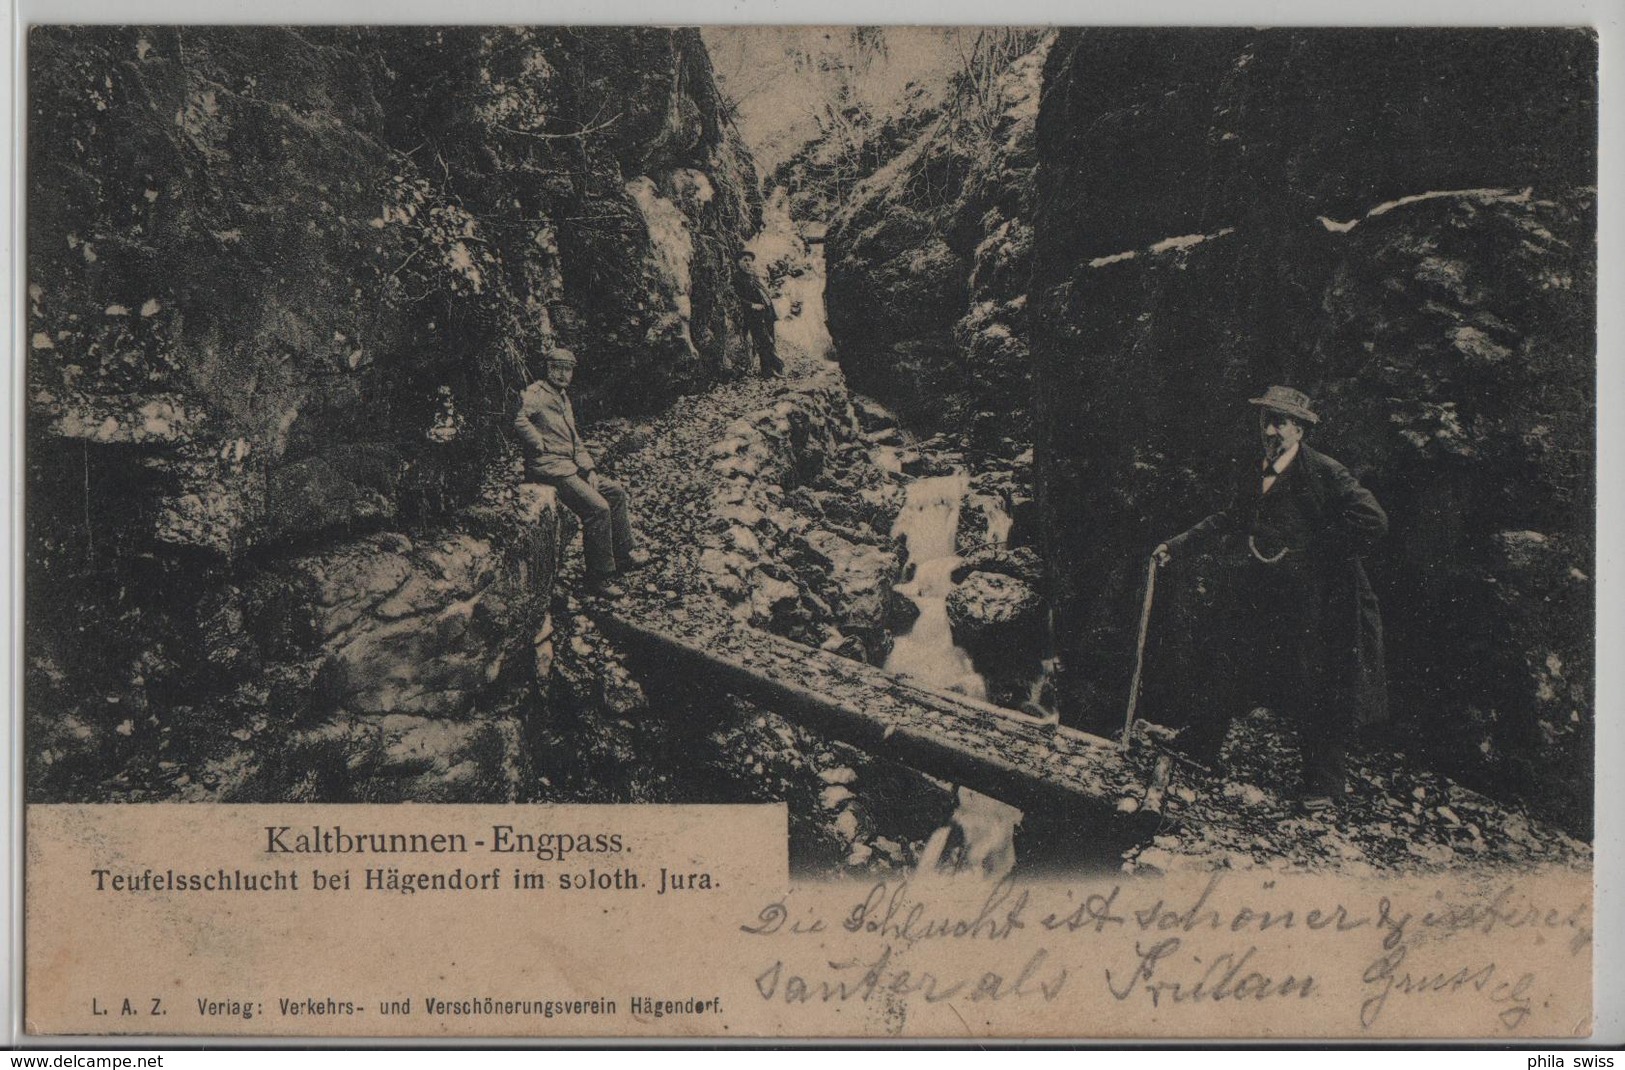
980,836
801,310
927,652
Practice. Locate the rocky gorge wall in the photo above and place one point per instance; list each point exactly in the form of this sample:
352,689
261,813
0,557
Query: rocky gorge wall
284,287
1401,224
801,543
928,258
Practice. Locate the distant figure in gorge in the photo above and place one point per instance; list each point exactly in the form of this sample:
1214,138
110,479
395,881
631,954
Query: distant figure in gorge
1304,620
555,455
760,316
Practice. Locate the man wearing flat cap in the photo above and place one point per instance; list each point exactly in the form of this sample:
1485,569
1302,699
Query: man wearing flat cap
1307,630
555,454
760,316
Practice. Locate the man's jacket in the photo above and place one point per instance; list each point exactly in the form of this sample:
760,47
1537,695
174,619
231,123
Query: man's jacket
547,429
752,292
1336,521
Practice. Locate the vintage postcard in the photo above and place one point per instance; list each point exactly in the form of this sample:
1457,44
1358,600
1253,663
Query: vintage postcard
770,532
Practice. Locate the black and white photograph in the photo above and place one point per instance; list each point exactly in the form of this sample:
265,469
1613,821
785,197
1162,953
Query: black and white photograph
1016,451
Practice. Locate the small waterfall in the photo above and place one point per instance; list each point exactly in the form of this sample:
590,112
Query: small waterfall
801,310
980,837
927,523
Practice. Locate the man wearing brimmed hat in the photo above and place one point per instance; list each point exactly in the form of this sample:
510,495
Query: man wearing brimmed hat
555,454
1307,630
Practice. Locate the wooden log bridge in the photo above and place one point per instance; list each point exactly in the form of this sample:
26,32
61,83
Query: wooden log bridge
1037,766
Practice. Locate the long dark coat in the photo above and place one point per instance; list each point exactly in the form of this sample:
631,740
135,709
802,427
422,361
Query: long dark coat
1336,625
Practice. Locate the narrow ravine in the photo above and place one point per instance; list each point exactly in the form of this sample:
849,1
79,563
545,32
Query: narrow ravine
802,494
291,556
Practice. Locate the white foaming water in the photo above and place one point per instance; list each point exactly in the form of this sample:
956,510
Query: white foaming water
806,329
930,516
927,652
981,835
1036,695
981,829
927,523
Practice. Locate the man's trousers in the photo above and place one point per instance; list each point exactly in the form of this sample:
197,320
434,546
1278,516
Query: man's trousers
606,520
1271,650
764,336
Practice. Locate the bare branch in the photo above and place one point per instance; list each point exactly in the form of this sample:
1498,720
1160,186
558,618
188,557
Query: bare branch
583,132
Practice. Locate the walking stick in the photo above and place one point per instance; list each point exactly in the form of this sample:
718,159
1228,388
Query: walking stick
1139,651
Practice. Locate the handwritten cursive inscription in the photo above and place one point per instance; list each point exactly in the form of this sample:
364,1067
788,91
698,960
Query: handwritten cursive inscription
1384,977
1243,944
775,918
1225,976
879,976
889,912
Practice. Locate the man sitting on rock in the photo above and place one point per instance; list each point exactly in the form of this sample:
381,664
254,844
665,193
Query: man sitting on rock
555,454
1305,622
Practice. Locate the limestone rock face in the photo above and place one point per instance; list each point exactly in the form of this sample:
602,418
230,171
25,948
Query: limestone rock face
990,608
1021,563
928,262
297,328
421,631
863,574
283,286
380,668
1405,230
799,542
